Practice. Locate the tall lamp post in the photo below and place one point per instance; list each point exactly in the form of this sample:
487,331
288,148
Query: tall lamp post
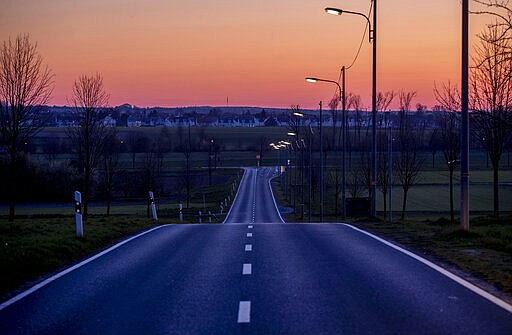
342,93
372,35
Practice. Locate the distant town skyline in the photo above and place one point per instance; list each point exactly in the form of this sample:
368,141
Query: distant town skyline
197,53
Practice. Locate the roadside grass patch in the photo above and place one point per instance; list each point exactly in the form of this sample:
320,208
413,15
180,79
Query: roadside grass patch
32,247
485,252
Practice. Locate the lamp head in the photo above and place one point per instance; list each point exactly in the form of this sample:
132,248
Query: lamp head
299,114
311,80
333,11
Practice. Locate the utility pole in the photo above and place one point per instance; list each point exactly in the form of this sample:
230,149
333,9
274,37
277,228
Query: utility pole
373,182
321,168
464,133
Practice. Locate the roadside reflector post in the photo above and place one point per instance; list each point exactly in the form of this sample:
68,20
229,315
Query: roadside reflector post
78,214
181,212
152,205
209,216
200,219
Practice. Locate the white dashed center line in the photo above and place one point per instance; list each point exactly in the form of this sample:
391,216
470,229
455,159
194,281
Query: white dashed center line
250,227
244,312
249,234
248,247
247,269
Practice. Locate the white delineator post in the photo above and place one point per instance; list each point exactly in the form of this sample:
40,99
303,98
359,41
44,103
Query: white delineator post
78,214
153,207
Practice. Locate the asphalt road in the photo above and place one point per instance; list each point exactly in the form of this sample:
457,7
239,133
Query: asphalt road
254,202
243,277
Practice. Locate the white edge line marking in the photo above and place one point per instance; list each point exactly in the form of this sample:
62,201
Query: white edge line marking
236,196
274,198
74,267
439,269
249,234
247,269
244,312
248,247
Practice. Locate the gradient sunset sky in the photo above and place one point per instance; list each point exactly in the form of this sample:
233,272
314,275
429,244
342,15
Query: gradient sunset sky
257,53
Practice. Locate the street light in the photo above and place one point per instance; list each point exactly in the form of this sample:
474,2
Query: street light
337,11
314,80
372,35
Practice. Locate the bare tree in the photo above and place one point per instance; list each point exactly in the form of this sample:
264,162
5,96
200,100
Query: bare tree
501,12
409,137
449,121
25,86
187,151
334,178
110,156
383,102
137,143
354,103
333,105
90,131
491,94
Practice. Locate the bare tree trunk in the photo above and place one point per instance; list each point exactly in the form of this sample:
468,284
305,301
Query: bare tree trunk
496,193
452,212
13,174
404,202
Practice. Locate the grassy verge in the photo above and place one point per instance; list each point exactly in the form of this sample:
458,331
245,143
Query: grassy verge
42,240
484,253
34,246
483,256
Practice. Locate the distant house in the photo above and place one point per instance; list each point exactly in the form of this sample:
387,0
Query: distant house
109,121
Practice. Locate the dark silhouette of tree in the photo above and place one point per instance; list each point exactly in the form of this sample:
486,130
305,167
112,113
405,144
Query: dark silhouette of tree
333,106
434,144
355,104
501,12
187,151
385,99
383,168
409,136
491,94
110,157
25,86
334,176
90,131
383,102
449,124
137,143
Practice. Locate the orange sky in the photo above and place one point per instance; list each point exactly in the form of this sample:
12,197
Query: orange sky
191,52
